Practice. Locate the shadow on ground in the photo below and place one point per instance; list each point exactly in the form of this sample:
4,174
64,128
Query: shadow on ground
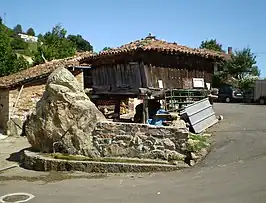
17,156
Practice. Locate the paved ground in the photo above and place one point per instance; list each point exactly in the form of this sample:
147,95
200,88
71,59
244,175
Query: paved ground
233,172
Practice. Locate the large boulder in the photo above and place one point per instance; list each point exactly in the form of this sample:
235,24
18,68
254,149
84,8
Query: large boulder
64,118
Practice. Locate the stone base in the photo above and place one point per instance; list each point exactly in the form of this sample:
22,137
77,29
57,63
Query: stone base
39,162
133,140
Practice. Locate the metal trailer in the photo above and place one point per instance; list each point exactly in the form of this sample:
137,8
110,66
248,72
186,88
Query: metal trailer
260,91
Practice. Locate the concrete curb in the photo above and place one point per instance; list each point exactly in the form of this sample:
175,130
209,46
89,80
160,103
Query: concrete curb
7,168
36,161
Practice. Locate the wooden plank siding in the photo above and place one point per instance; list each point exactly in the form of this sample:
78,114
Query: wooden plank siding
175,70
117,77
142,70
172,77
87,78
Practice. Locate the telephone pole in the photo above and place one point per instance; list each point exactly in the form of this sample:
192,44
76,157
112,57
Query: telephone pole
4,18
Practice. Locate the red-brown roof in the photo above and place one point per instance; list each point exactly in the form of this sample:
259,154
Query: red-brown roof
40,71
150,43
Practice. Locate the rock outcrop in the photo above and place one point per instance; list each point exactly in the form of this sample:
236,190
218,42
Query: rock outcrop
64,118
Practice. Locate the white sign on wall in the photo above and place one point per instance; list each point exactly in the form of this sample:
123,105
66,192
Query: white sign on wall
198,83
160,82
208,85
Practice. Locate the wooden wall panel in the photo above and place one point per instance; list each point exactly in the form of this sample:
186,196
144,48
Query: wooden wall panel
176,71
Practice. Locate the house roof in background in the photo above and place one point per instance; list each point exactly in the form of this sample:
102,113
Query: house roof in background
150,43
40,71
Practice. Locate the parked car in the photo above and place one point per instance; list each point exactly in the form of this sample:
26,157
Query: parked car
228,93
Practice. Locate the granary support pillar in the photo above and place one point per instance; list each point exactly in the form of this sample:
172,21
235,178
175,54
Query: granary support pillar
145,109
117,108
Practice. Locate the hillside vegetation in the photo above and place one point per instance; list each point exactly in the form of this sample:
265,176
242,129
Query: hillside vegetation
16,54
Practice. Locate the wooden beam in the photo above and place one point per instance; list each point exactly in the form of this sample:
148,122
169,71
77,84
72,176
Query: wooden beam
143,74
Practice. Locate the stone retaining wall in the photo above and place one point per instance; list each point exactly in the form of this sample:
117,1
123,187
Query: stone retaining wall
139,140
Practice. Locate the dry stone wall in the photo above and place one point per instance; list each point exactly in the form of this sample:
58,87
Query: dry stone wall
4,108
26,102
28,99
133,140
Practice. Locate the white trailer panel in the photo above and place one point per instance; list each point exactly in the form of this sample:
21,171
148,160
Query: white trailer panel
260,90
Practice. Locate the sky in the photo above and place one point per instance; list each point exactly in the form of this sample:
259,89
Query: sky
112,23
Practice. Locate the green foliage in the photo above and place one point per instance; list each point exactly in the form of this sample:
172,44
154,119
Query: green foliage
32,46
30,32
9,61
242,67
247,82
106,48
196,142
54,45
211,45
1,21
18,29
80,43
243,63
17,43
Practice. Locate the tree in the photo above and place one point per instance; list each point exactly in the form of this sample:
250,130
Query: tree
242,63
9,60
106,48
242,67
54,45
31,32
1,20
18,44
211,45
80,43
17,29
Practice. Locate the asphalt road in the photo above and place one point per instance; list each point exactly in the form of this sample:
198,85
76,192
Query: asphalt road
233,172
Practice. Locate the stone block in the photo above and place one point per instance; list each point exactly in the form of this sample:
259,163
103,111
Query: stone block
168,144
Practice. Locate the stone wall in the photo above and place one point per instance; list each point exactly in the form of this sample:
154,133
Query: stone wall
4,108
113,139
80,78
28,99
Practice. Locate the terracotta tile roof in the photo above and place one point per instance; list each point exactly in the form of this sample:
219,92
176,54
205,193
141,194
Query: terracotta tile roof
150,43
40,71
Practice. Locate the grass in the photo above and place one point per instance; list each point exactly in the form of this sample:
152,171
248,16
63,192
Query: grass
32,46
28,58
105,159
196,142
29,51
